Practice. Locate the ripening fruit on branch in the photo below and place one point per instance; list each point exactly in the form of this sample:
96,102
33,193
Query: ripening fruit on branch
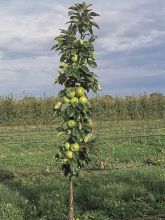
65,65
81,41
74,58
83,100
65,99
71,93
58,105
65,161
69,154
74,100
67,146
79,91
71,124
75,147
62,71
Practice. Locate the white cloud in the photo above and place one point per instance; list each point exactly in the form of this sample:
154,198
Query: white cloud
25,42
30,28
116,42
1,54
131,25
27,30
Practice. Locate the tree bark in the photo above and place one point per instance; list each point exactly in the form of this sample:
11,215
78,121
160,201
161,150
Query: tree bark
70,200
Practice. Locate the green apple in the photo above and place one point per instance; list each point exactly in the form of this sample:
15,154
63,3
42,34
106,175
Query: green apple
69,154
58,105
71,123
75,147
79,91
74,100
71,93
67,145
61,71
65,65
65,99
74,58
81,41
74,65
83,100
65,161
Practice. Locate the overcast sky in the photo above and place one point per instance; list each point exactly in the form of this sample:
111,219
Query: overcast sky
130,47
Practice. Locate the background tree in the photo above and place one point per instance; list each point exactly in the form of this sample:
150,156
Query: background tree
77,56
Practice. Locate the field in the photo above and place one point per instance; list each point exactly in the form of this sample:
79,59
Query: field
125,180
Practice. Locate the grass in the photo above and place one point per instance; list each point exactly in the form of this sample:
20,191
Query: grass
132,184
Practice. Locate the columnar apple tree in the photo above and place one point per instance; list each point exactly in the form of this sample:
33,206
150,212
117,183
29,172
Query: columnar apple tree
77,57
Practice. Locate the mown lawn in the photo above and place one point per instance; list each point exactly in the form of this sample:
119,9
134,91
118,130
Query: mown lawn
131,185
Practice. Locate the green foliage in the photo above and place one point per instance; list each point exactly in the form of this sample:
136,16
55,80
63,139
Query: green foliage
76,48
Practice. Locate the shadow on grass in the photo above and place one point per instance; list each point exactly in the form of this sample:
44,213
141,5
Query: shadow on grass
116,195
44,198
123,194
6,175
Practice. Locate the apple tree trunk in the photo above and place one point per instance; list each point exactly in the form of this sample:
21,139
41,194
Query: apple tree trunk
70,200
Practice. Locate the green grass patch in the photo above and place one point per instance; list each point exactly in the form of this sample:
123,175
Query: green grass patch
132,184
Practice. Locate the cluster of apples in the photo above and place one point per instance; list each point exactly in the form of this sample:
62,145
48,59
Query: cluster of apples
70,148
74,96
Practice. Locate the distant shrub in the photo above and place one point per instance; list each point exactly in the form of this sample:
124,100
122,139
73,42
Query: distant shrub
39,111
